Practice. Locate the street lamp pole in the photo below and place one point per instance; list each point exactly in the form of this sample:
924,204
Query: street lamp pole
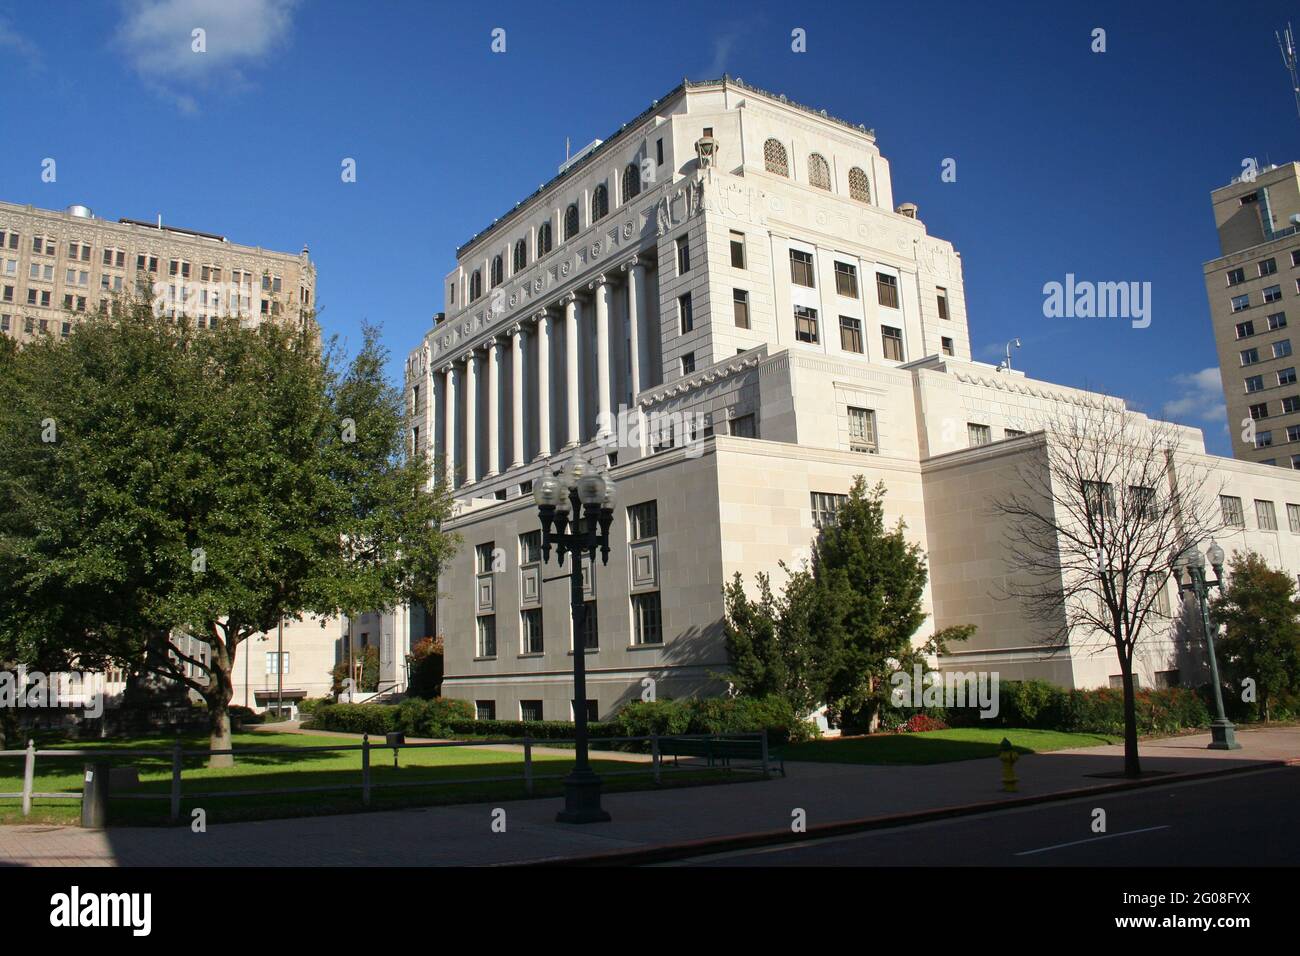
576,509
1189,571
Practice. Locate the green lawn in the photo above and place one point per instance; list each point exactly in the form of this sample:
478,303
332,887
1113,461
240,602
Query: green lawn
441,767
937,746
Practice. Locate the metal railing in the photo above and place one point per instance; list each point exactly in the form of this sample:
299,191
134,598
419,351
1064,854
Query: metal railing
714,744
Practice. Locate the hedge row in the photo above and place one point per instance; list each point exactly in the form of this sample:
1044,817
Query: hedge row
1043,705
415,718
715,715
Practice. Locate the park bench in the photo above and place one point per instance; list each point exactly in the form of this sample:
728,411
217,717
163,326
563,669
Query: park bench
719,751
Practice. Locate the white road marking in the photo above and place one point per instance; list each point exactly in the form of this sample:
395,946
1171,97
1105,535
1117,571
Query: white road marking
1108,836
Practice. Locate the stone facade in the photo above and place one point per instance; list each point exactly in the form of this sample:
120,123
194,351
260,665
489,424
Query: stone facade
772,326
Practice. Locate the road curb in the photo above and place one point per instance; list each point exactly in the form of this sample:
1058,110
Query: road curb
668,852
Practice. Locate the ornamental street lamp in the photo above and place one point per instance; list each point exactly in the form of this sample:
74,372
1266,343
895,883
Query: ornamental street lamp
576,509
1189,572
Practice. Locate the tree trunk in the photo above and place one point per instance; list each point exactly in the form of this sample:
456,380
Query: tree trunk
1132,766
221,689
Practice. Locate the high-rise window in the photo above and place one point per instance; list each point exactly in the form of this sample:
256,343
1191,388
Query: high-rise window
801,268
850,334
740,306
643,521
685,314
1249,356
1293,518
819,172
647,619
571,221
891,341
683,255
1233,516
1273,293
688,363
846,280
862,430
498,271
545,239
774,158
520,259
945,344
1240,302
1236,276
942,298
631,182
825,507
531,631
978,434
887,290
805,324
738,250
599,203
1265,516
1277,321
487,636
1259,411
1281,348
1267,267
859,185
1245,329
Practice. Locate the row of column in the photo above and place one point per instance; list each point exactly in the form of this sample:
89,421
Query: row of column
457,380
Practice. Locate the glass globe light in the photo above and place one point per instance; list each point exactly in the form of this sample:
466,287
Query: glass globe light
1195,559
610,493
1215,554
548,491
591,488
574,471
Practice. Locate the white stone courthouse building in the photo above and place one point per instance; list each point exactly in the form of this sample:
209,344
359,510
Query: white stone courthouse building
723,303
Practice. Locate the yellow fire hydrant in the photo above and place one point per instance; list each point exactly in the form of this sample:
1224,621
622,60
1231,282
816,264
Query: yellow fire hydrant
1007,754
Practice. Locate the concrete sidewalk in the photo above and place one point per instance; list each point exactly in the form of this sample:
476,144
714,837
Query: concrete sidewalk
463,835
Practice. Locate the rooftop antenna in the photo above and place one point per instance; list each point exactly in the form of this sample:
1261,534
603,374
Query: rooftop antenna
1286,44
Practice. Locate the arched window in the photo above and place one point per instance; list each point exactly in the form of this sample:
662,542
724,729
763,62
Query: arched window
571,221
631,181
859,187
774,158
819,171
498,271
544,239
520,257
599,203
475,285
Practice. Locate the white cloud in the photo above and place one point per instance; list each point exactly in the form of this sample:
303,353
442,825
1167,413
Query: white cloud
157,37
14,42
1201,397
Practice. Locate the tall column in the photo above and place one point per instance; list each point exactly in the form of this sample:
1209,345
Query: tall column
571,435
635,310
494,407
543,384
469,398
516,396
448,425
601,288
638,301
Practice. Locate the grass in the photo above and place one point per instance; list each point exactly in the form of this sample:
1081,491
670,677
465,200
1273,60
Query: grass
447,770
937,746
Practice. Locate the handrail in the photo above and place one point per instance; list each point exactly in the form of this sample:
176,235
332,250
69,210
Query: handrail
379,692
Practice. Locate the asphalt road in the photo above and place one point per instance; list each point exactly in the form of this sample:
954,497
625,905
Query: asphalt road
1247,819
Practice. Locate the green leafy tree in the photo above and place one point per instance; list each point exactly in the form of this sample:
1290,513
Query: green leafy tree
161,480
1260,613
426,662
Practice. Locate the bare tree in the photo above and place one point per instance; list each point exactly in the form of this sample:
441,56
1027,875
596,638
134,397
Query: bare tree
1104,503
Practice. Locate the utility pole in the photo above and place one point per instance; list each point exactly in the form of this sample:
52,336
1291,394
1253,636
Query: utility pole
279,670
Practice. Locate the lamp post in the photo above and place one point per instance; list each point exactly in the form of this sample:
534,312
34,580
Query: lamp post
1189,571
576,509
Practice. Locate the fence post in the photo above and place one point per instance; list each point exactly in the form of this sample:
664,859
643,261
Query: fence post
29,775
765,770
528,765
654,755
365,769
176,781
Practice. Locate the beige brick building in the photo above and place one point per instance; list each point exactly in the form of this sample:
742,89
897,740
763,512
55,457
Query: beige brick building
58,266
729,271
1254,293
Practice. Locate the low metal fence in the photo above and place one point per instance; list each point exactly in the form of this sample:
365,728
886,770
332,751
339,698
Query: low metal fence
745,752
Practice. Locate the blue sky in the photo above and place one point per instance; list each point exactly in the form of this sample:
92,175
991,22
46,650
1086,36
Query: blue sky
1099,164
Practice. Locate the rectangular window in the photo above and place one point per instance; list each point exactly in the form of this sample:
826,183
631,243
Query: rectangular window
740,306
825,507
801,268
487,635
1291,404
1259,411
1236,276
1240,302
887,290
737,250
862,430
1273,293
683,256
643,521
805,324
1255,383
685,317
485,710
659,151
531,631
1265,516
590,626
1277,321
530,710
688,363
744,426
1142,501
1286,376
1233,516
647,619
483,557
891,341
1099,499
1281,348
1012,433
945,344
850,334
1245,329
1293,518
846,280
1267,267
1249,356
978,434
273,658
1264,439
530,547
943,303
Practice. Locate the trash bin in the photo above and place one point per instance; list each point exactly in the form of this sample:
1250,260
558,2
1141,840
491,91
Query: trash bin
94,796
